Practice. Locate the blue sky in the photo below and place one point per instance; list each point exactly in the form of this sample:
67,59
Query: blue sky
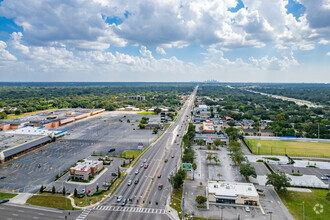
178,40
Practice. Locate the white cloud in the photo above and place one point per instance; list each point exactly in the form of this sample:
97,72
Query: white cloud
160,50
324,42
328,54
307,47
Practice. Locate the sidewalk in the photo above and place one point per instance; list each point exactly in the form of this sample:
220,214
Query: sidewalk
21,198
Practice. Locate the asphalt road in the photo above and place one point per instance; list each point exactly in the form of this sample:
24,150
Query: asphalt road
22,212
145,194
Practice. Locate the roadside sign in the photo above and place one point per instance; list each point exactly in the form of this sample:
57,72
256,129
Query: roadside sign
186,166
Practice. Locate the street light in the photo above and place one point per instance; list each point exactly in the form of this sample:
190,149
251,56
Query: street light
303,210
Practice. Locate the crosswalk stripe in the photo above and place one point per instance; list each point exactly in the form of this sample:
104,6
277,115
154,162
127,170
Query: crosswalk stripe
85,213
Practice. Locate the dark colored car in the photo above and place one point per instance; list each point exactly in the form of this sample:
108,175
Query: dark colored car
4,200
2,177
136,181
114,174
166,160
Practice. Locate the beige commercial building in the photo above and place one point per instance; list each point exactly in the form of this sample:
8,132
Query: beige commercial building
86,169
232,193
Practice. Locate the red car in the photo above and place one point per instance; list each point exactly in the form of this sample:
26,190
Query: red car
146,166
159,176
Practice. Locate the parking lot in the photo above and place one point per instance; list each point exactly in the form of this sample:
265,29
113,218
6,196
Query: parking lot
93,134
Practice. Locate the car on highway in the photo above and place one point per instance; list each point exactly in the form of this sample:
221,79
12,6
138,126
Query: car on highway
324,178
129,182
119,198
247,209
146,166
145,160
159,176
172,156
136,181
123,203
136,172
4,200
141,165
166,160
160,186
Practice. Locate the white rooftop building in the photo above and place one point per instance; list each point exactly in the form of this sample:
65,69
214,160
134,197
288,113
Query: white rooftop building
232,193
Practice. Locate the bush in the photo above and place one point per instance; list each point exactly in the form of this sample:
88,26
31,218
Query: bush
201,200
260,160
53,190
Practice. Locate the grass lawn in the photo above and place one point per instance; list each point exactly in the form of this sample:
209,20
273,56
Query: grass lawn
50,201
292,148
90,199
130,154
176,199
7,195
146,113
293,201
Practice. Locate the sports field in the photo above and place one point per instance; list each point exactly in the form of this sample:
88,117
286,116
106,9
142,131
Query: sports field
292,148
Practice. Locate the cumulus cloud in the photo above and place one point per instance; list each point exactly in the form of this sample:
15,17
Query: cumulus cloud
328,54
6,58
160,50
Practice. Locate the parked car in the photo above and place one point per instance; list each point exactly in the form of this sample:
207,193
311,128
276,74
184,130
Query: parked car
105,184
247,209
119,198
136,172
129,182
327,175
4,200
324,178
123,203
39,165
2,177
136,181
114,174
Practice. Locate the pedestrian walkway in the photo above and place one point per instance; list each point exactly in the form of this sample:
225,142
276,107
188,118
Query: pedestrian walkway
130,209
84,214
21,198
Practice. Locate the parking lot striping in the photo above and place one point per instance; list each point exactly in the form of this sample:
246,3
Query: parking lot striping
45,163
30,172
60,156
70,150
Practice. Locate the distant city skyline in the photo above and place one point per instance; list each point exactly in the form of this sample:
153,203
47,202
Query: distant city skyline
165,41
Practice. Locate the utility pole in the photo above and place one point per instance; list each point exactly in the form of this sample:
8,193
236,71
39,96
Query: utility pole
318,130
85,195
183,206
276,145
303,210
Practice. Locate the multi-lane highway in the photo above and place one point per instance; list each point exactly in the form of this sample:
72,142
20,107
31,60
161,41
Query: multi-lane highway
144,198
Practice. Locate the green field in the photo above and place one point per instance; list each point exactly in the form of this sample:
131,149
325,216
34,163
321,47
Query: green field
294,202
7,195
292,148
50,201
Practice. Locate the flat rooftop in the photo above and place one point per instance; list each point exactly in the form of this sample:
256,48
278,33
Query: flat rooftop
86,165
12,140
232,188
49,116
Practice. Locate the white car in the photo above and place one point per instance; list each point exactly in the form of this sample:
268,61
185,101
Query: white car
324,178
119,198
247,209
129,182
136,172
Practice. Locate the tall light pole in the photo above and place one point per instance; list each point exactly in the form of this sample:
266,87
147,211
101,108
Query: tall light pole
303,210
276,145
318,130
